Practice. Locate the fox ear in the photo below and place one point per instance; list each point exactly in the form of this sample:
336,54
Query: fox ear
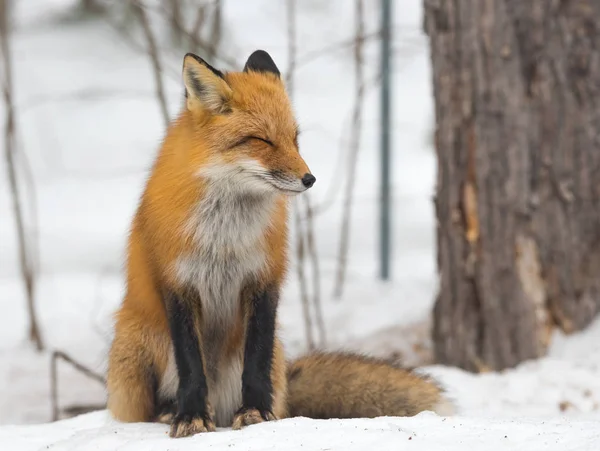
205,86
261,61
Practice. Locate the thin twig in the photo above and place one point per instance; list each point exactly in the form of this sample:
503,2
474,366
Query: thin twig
313,55
292,47
25,253
332,190
32,201
90,6
196,41
83,95
331,194
316,275
300,254
176,19
306,238
128,38
200,17
354,147
153,52
215,34
56,355
300,237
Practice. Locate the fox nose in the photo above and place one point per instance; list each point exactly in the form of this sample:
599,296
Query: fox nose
308,180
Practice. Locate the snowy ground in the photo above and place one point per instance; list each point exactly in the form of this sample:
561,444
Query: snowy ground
90,126
426,431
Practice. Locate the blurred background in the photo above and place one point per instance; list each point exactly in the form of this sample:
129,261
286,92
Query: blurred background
494,185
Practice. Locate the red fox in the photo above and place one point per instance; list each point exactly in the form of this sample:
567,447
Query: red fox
196,341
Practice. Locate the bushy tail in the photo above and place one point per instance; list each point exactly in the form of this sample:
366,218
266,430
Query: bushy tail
344,385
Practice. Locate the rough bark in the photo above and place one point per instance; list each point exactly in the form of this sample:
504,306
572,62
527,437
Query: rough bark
517,102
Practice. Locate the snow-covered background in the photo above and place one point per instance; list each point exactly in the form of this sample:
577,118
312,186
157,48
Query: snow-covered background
89,125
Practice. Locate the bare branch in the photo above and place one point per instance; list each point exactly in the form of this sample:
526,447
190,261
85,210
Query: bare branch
292,48
83,95
26,260
313,55
153,52
176,19
90,6
316,275
33,236
331,194
200,18
215,34
56,355
354,147
301,238
196,41
300,254
305,238
129,39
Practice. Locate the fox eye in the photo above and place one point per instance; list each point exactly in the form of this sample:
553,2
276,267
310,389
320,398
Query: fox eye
266,141
248,138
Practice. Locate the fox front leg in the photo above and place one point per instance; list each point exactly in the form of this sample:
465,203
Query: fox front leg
257,383
193,412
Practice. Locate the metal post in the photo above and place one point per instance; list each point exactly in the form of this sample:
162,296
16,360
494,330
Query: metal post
385,212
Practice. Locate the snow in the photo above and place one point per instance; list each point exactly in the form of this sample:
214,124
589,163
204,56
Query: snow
90,126
426,431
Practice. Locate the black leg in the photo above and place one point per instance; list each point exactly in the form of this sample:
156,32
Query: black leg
257,387
192,410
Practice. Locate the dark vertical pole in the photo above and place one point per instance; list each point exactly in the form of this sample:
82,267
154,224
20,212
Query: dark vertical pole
385,207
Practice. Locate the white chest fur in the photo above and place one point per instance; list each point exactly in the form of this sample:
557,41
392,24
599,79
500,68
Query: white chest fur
228,231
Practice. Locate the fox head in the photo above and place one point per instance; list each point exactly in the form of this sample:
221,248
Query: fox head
246,125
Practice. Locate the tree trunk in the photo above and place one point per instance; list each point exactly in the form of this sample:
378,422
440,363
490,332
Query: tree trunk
517,102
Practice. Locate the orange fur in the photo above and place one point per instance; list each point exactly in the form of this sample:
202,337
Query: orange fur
345,385
204,136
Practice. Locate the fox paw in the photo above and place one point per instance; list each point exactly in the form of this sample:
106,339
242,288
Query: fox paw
186,425
246,417
165,412
165,418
